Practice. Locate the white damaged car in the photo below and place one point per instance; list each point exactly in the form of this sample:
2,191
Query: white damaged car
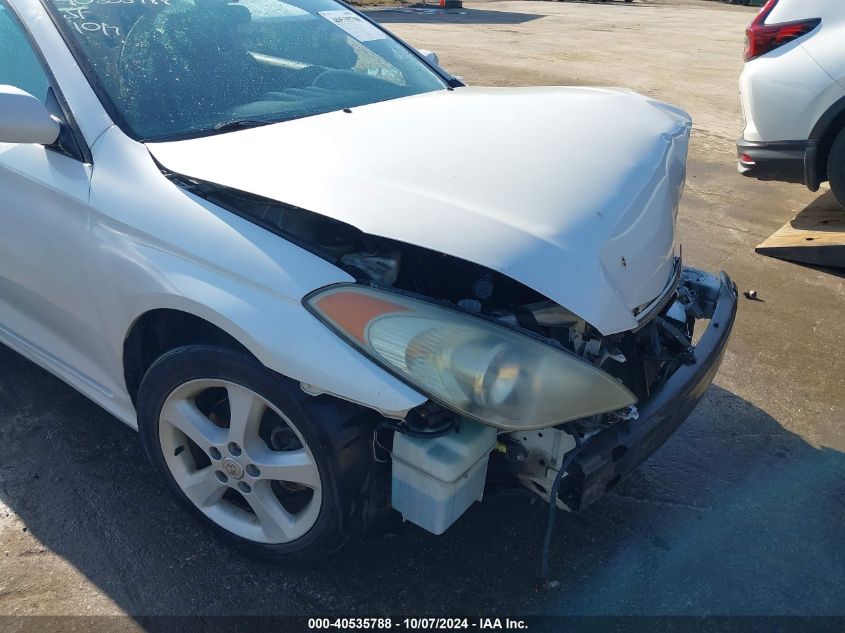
330,284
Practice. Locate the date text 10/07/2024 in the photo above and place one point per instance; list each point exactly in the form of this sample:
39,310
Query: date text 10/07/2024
418,624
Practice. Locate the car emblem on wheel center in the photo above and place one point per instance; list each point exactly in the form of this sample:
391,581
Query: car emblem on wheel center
233,468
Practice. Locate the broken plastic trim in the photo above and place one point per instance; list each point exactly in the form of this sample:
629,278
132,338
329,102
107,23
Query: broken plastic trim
651,310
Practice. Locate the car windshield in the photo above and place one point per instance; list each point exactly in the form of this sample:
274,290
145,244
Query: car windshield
169,68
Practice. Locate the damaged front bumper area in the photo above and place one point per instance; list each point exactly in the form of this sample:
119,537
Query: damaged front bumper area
611,453
438,472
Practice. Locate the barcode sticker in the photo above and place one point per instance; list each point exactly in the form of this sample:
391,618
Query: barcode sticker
354,25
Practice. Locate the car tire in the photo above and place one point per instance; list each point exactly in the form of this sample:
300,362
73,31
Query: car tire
230,472
836,168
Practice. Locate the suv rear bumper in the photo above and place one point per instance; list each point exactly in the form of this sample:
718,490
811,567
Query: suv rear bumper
614,452
785,161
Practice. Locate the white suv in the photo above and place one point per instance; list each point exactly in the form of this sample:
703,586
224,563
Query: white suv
793,94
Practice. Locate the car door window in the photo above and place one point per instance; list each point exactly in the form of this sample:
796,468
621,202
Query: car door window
19,65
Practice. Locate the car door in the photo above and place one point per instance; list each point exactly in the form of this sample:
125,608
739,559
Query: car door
46,311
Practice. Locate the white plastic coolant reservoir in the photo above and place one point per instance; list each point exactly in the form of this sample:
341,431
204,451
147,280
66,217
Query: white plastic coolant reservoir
436,480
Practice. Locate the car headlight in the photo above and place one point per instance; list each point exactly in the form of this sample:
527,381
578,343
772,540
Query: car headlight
479,369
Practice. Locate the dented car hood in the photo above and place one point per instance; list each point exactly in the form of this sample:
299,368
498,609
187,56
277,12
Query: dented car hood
570,191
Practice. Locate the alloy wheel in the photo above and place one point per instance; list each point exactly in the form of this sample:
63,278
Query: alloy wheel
240,460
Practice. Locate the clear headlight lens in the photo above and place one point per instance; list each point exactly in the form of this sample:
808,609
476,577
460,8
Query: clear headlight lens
479,369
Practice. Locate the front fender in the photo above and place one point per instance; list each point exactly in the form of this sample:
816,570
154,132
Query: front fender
165,248
281,334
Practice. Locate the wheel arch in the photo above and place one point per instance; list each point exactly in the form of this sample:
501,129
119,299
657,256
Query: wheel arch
824,133
159,330
279,334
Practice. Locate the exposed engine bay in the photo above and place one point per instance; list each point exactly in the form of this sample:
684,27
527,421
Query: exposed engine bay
643,358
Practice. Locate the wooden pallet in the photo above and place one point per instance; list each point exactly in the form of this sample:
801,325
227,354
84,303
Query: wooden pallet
815,236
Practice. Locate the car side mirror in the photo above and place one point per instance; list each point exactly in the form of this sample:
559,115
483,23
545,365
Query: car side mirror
24,119
430,56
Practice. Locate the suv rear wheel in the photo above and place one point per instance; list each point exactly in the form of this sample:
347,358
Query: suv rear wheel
836,168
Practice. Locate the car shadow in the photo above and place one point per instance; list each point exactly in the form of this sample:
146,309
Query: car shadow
434,15
734,515
823,214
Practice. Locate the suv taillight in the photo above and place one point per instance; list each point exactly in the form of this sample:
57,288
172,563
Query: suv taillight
761,38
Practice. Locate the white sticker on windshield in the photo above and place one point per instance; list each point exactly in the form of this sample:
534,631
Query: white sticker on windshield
355,25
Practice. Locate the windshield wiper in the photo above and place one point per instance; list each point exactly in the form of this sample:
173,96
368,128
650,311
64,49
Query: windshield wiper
239,124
